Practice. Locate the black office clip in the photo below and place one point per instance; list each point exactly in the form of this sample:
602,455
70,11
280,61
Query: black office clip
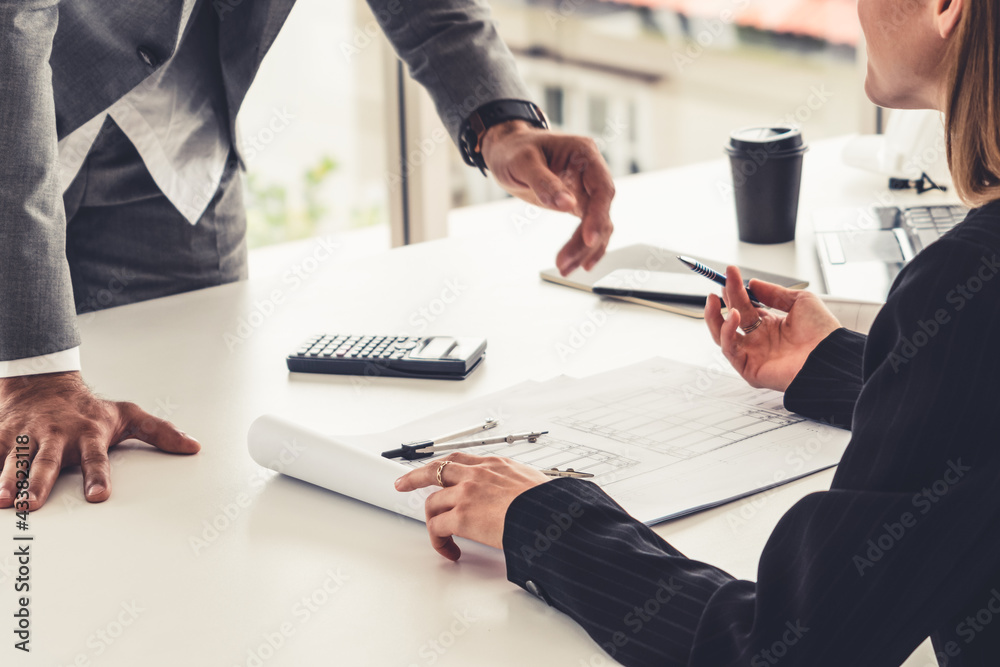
921,185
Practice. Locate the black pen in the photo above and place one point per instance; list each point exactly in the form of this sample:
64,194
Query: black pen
713,275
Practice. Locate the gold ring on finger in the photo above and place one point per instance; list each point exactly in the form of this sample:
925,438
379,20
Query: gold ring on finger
441,467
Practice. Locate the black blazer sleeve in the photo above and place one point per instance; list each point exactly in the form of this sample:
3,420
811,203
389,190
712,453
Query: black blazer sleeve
904,545
828,385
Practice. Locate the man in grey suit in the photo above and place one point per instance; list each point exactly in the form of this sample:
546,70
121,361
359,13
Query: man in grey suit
119,182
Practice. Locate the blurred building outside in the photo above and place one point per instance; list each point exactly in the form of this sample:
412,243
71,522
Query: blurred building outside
658,84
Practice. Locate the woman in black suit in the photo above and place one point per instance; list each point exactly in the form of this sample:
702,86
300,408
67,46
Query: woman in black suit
906,543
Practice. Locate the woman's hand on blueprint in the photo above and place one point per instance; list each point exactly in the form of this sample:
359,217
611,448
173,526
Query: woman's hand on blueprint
473,503
773,353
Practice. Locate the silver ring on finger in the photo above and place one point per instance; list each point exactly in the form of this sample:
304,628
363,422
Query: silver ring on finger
753,326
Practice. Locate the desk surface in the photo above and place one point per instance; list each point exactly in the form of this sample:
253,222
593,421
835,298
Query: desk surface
210,560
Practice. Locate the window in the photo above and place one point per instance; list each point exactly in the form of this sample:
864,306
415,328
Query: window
661,83
322,172
657,84
553,105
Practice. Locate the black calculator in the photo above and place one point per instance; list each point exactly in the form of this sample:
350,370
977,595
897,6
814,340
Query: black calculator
430,357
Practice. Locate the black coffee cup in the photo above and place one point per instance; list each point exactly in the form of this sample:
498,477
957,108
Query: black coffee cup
767,171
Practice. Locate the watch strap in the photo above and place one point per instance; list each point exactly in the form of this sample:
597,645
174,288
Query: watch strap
491,114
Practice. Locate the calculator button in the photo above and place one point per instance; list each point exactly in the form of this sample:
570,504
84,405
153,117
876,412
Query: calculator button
341,353
398,355
406,345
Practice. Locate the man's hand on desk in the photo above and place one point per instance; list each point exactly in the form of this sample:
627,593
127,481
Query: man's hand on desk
67,425
478,490
561,172
772,354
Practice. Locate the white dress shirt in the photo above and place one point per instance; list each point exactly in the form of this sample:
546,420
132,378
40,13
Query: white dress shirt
176,121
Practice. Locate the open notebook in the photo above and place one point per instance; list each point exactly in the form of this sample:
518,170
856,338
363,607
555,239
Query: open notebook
652,258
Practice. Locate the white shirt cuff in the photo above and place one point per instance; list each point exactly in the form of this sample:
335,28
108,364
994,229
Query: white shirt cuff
57,362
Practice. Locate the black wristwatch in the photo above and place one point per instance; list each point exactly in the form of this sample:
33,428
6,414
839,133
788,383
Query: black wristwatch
470,137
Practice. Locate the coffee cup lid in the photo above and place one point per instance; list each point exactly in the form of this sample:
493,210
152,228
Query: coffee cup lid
774,139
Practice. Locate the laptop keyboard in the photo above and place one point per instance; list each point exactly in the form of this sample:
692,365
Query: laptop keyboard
926,224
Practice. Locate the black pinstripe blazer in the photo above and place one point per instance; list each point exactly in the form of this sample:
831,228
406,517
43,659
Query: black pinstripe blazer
905,544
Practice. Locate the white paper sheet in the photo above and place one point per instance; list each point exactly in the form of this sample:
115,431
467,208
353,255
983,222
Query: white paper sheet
302,453
663,438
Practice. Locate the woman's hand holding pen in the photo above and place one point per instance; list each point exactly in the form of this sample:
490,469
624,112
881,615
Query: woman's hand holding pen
773,353
473,503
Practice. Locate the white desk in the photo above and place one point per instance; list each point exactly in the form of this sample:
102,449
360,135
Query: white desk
329,580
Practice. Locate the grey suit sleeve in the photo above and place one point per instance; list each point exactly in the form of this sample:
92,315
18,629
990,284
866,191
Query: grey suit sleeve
36,307
453,49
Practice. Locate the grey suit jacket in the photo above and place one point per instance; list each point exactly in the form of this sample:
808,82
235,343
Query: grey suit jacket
64,62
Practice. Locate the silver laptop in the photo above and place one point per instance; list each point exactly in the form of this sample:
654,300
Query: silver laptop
862,250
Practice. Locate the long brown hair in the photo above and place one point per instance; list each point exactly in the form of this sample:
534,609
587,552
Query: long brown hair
972,116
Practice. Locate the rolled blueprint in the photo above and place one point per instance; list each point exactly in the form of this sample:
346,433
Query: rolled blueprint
322,460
